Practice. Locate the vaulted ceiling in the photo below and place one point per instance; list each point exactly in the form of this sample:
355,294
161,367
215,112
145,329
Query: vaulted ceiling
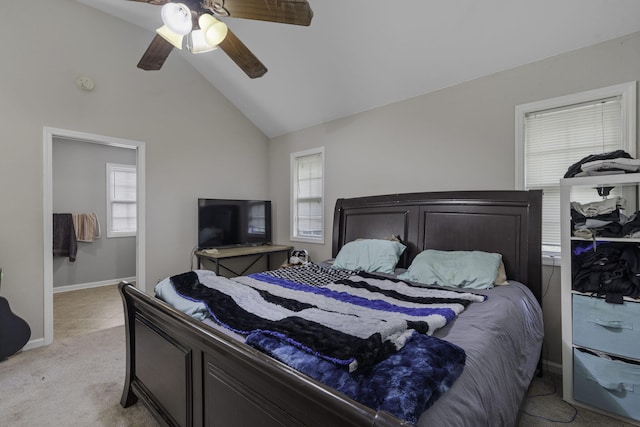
361,54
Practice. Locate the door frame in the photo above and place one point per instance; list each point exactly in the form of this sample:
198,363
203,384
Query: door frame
49,133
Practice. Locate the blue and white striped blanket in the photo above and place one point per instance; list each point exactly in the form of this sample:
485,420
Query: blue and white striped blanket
355,322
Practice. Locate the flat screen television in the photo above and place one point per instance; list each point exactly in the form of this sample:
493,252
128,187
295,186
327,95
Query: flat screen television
225,223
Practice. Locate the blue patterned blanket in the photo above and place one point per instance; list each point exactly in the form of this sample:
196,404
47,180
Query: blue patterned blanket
405,384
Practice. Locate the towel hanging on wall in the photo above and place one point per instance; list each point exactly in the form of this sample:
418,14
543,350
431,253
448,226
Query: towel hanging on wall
87,227
65,243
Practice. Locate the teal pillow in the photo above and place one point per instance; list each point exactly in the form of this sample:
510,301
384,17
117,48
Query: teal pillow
371,255
461,269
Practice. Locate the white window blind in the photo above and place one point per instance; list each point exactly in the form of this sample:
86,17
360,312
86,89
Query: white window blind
559,137
308,195
121,200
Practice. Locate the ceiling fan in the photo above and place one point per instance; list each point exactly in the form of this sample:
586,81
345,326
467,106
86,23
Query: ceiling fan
197,20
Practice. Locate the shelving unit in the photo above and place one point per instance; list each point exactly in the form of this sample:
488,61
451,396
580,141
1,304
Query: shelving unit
600,340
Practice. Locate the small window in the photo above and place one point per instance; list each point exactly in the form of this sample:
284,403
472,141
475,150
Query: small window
121,200
307,196
553,134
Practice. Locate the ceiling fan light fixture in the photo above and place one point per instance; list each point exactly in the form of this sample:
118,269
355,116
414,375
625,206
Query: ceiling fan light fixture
198,44
177,17
214,30
170,36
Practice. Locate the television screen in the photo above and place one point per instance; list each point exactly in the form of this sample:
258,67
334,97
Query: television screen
224,223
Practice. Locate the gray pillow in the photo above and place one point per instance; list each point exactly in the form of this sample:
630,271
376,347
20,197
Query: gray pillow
461,269
371,255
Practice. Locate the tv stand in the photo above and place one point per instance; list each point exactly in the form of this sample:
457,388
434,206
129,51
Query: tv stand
237,261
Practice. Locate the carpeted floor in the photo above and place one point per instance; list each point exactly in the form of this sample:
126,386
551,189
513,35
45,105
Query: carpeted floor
76,381
544,407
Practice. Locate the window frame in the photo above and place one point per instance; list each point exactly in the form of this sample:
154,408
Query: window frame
627,93
294,157
110,168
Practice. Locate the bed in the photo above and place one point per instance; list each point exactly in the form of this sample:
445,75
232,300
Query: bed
191,373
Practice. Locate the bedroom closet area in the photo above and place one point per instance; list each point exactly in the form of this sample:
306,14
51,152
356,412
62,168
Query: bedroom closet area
94,233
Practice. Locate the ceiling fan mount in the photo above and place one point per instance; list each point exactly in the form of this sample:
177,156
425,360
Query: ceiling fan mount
216,7
295,12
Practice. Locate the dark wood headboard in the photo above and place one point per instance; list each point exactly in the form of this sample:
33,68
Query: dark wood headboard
505,222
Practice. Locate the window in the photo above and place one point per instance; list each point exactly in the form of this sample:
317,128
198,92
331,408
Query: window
552,135
121,200
307,196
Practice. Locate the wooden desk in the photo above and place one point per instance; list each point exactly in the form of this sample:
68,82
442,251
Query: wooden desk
219,256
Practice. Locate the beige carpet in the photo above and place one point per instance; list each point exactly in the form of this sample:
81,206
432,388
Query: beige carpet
76,381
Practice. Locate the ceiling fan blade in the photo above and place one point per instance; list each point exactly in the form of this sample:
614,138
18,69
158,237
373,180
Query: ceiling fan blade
242,56
156,54
296,12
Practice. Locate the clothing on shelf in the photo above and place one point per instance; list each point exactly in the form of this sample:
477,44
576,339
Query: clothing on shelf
87,227
609,269
604,218
604,164
65,243
620,164
600,207
605,268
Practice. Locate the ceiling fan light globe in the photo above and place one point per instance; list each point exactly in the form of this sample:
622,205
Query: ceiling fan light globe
205,21
214,30
198,44
170,36
177,17
216,33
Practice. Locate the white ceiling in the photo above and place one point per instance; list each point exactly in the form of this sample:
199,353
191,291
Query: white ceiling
362,54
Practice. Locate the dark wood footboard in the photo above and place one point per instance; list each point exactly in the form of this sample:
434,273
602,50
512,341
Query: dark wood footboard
188,374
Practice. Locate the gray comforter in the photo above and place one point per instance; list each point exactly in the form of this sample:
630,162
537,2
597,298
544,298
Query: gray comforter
502,338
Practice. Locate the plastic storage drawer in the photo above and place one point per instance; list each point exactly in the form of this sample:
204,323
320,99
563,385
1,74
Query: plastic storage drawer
612,328
612,385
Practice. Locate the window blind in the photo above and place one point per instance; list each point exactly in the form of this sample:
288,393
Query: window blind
308,196
557,138
122,199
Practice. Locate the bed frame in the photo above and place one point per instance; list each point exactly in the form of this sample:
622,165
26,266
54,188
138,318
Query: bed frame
188,374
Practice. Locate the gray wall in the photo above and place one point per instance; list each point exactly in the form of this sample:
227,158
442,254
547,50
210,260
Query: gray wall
79,186
459,138
195,139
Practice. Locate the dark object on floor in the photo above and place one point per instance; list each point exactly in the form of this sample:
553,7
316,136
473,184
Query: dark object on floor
14,331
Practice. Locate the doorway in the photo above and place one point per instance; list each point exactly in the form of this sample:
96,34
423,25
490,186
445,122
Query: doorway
51,134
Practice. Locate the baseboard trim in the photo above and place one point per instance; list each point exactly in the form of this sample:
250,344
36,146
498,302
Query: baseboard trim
58,289
552,367
35,343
